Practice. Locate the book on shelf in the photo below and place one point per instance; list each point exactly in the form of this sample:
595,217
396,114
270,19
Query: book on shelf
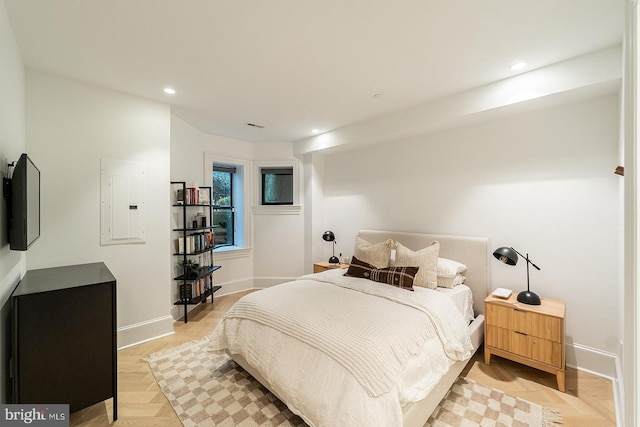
192,195
195,289
195,242
179,196
200,241
185,291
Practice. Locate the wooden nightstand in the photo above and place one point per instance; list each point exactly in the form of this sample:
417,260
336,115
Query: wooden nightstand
319,267
529,334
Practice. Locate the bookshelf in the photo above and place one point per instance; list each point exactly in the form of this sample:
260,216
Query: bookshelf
193,211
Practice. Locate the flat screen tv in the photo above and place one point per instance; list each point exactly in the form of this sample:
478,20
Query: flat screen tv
23,196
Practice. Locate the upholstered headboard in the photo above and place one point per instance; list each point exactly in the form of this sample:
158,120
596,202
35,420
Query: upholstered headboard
471,251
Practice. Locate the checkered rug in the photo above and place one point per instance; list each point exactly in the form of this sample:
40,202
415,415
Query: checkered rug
206,389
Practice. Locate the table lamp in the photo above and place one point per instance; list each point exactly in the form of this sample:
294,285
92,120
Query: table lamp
509,256
328,236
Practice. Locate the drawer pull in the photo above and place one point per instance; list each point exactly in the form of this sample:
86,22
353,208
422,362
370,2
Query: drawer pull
521,333
519,310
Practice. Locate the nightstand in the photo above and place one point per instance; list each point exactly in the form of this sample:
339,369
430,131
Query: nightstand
319,267
529,334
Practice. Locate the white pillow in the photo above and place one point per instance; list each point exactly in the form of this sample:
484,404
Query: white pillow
377,255
426,259
450,268
450,282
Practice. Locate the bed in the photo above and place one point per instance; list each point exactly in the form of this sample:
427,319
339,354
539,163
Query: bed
332,370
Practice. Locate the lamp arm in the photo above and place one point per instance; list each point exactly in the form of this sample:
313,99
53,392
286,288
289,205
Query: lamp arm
526,258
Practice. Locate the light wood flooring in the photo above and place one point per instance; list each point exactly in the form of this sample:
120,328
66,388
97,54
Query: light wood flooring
587,402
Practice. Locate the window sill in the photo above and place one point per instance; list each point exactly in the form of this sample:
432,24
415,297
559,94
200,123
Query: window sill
277,210
231,252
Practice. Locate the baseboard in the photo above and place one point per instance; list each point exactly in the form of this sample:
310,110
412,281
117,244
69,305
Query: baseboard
235,286
589,359
144,331
267,282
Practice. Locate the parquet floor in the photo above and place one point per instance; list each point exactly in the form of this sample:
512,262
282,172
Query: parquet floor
587,402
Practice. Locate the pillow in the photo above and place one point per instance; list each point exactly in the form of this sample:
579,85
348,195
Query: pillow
450,282
426,259
400,277
359,268
450,268
377,255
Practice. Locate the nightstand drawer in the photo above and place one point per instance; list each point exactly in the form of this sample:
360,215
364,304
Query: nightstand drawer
508,340
547,327
531,347
526,322
546,351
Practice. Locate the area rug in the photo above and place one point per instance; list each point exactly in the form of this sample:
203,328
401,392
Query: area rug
206,389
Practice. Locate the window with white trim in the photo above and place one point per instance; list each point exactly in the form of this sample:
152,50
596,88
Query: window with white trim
223,202
277,187
230,179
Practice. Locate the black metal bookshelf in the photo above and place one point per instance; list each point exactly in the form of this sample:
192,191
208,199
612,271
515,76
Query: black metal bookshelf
194,286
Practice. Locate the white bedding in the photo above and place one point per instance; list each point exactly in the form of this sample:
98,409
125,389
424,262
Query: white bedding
463,299
355,376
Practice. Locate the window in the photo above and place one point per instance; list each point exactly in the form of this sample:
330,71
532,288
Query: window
231,191
223,201
277,186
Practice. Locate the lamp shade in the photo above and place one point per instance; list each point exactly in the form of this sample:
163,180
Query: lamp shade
329,236
507,255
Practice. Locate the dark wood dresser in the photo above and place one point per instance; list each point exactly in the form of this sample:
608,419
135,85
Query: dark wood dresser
64,337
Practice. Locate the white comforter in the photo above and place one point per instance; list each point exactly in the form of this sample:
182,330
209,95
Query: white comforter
341,351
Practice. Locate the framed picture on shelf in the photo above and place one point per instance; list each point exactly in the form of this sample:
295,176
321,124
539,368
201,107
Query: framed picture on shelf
203,196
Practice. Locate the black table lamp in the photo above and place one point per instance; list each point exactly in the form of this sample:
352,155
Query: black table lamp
328,236
510,257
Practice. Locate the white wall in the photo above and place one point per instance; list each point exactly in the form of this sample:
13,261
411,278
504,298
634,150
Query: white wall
541,182
278,234
70,127
275,241
12,144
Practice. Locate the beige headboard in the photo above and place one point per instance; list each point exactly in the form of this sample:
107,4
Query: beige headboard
471,251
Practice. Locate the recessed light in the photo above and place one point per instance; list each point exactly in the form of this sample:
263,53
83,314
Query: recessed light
518,66
169,91
315,131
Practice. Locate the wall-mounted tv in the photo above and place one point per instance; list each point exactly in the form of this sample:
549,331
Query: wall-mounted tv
22,192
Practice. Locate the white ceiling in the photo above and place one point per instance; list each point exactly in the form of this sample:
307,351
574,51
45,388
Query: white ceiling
296,65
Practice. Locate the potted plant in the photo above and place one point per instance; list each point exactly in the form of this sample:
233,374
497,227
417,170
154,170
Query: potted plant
190,266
